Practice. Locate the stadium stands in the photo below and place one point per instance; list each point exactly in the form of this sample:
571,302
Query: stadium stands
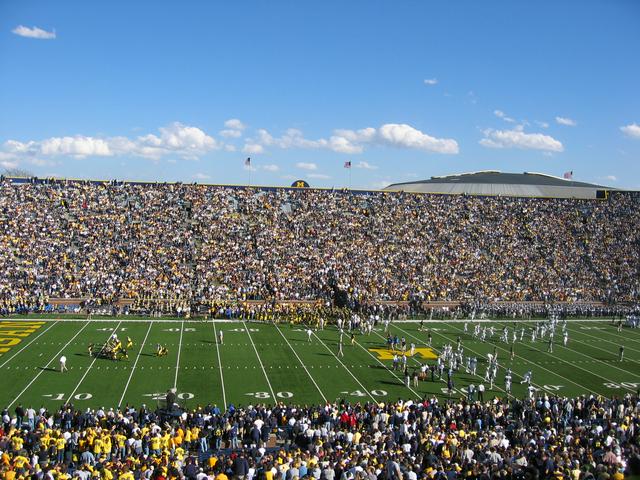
549,437
193,246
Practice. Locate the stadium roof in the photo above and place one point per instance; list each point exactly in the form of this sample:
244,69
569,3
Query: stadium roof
491,182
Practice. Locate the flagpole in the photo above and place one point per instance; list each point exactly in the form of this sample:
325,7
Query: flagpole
349,178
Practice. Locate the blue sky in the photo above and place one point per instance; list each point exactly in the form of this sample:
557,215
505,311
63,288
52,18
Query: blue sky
186,90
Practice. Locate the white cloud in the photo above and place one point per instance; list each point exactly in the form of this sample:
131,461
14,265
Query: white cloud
568,122
503,116
517,138
402,135
8,164
318,176
306,166
176,138
380,184
76,146
230,133
354,141
365,165
542,124
34,32
430,81
631,130
271,168
611,178
230,148
235,124
41,162
253,148
201,176
234,128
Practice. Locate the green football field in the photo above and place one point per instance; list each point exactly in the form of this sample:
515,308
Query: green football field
262,362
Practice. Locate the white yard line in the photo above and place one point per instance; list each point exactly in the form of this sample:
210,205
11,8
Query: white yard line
175,380
546,369
388,369
48,363
627,347
90,366
541,350
301,363
215,338
273,395
126,387
466,347
610,365
22,349
345,367
583,369
615,354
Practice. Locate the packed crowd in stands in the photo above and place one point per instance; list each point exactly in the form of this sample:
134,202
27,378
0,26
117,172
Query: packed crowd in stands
193,246
548,437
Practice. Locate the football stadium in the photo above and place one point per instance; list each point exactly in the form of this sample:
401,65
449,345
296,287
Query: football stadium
319,240
258,300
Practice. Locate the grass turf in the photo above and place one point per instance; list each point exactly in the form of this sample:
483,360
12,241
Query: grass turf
259,362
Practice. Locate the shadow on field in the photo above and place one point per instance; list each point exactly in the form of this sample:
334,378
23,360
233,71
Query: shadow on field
147,355
47,369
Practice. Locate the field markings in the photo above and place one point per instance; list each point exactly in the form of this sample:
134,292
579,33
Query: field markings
345,367
301,363
610,365
215,339
126,387
91,365
543,368
627,347
273,395
606,351
175,380
388,369
579,367
467,348
33,340
48,363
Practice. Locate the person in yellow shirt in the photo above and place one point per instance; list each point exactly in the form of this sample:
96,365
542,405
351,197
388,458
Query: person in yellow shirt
126,474
222,476
106,473
121,443
97,448
156,444
106,442
60,446
16,443
7,473
20,462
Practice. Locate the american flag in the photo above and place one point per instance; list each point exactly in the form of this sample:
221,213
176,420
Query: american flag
568,175
347,164
247,162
